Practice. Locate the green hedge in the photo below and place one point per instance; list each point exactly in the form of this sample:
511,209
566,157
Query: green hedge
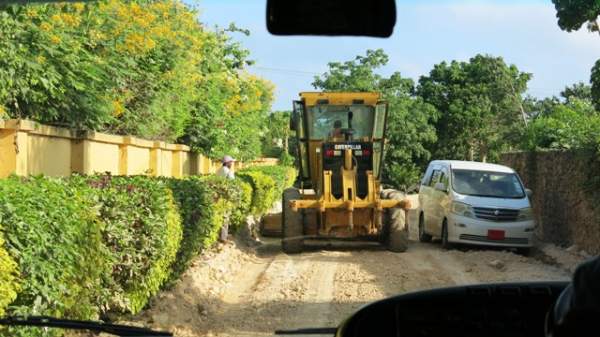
89,246
268,183
142,232
52,232
237,193
9,284
205,203
264,189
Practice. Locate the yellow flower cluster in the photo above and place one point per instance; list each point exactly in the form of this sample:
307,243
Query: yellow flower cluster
79,7
136,43
45,26
31,13
66,19
55,39
118,108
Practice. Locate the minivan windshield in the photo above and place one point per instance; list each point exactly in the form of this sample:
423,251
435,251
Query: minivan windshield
487,184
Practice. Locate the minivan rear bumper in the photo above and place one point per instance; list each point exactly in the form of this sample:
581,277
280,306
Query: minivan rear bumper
475,231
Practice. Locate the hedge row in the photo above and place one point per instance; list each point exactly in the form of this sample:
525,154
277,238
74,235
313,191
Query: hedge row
86,247
272,179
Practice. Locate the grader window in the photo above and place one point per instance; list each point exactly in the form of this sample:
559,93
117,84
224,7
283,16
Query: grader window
322,120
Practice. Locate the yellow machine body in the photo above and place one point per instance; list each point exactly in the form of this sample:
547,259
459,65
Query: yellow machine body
347,215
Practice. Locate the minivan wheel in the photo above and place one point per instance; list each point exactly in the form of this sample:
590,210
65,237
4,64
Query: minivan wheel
445,243
423,237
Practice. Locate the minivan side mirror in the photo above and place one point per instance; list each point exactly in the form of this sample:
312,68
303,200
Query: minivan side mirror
440,187
529,192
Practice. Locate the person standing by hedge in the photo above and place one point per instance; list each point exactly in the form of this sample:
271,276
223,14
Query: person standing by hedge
226,172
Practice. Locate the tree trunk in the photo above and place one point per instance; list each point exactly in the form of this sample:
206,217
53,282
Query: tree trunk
471,152
483,152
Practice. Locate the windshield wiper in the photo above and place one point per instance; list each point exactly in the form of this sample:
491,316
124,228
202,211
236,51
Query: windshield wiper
113,329
308,331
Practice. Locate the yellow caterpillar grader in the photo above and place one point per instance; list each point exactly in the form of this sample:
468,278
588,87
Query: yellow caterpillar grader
340,144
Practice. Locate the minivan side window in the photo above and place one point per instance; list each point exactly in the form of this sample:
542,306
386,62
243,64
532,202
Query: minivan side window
435,177
444,179
427,176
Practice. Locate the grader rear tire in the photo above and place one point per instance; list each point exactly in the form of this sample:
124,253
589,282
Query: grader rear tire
292,241
395,224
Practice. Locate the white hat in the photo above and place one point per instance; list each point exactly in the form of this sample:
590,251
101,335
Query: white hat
227,159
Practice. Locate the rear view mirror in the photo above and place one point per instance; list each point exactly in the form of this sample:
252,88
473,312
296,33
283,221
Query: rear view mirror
440,187
529,192
333,17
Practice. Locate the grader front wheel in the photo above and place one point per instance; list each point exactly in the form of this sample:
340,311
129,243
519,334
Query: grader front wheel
292,241
395,226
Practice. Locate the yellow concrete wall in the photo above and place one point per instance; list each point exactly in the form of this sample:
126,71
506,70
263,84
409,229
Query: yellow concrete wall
8,158
101,157
28,147
21,145
52,155
166,163
138,161
186,163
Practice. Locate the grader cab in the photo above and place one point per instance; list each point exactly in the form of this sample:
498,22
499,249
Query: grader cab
341,138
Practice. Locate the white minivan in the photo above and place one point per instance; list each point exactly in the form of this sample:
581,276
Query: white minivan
475,203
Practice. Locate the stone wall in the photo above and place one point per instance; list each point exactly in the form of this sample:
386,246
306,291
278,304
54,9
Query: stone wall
565,201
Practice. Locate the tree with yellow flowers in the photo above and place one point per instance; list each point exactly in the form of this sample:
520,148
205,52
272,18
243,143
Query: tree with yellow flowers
145,68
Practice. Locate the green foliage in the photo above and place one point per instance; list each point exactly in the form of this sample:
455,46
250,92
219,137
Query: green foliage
277,134
286,159
229,117
241,209
163,257
355,75
193,199
84,247
264,190
535,107
568,126
268,183
479,103
282,175
595,90
9,277
52,232
142,232
236,196
207,202
580,91
572,14
409,128
143,68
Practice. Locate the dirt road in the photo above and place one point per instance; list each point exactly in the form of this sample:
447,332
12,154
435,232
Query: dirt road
233,291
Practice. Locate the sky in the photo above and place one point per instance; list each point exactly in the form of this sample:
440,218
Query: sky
524,33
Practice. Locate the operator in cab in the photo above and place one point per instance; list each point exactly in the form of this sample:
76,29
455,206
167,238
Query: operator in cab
337,130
